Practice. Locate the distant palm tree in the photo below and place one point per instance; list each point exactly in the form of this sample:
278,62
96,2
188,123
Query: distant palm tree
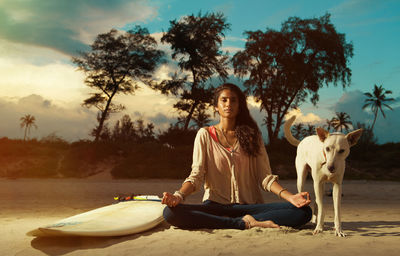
310,130
329,124
340,121
376,100
27,121
298,131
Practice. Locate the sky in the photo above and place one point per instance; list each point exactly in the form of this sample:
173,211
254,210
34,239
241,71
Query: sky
38,38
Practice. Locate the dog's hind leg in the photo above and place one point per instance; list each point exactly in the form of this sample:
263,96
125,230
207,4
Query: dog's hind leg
302,171
337,192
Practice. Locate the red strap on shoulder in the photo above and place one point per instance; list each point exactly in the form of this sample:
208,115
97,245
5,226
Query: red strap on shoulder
213,133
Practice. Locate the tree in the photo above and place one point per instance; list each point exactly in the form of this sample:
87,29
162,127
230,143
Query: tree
310,130
114,64
128,131
27,121
329,124
340,121
282,68
195,42
298,131
368,138
201,118
376,101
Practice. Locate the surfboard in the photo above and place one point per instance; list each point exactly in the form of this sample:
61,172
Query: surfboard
138,214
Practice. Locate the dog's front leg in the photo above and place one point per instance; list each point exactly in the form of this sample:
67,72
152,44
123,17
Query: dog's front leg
319,193
337,195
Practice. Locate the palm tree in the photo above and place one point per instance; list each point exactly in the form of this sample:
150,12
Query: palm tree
328,124
310,130
376,100
340,121
27,121
298,131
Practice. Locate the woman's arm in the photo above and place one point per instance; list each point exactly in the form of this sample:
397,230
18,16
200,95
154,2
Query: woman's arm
298,200
196,177
173,200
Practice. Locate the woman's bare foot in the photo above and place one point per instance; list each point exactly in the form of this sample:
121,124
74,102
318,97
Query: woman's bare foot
251,222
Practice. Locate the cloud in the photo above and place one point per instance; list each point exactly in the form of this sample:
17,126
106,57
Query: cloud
309,118
386,129
73,122
351,103
358,12
56,80
70,123
231,49
347,8
65,25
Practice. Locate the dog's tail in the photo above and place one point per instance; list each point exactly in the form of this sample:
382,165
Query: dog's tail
288,134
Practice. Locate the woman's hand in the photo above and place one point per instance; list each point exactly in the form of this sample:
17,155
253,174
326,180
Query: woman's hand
170,199
300,199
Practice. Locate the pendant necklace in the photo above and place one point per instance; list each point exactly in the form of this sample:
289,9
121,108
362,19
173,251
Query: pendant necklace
231,147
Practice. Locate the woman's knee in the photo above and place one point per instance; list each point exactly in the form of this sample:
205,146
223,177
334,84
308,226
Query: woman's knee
307,214
168,214
308,211
175,216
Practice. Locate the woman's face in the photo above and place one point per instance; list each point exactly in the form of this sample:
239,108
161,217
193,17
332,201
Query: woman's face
228,104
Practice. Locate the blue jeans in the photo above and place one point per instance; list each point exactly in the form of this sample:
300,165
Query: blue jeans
213,215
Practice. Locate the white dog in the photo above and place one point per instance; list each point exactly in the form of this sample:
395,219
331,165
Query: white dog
324,154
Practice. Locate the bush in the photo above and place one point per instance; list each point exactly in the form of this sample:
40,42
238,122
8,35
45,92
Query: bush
153,160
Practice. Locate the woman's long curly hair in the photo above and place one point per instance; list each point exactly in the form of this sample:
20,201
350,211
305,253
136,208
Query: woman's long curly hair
246,129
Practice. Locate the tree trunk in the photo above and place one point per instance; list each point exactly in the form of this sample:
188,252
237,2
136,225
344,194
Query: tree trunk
189,117
373,123
26,128
103,117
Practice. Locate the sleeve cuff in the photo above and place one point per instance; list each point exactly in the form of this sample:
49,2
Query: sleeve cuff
267,182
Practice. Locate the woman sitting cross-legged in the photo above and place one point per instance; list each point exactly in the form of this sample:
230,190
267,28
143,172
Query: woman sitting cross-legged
231,161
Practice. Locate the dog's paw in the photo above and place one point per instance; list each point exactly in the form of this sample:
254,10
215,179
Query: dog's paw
317,231
340,233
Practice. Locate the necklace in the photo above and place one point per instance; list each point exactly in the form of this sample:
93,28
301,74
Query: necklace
226,139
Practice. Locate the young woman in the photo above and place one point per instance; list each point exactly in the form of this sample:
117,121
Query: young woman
231,160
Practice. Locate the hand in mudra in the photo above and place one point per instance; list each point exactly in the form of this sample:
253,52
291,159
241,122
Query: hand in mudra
300,199
170,199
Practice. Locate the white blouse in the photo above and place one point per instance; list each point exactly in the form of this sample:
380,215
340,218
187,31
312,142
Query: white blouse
229,176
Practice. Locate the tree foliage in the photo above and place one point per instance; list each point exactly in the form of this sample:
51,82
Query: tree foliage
195,42
114,64
27,122
283,68
300,131
376,101
341,121
128,131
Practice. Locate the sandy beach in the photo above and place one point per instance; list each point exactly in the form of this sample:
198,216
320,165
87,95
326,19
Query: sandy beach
371,219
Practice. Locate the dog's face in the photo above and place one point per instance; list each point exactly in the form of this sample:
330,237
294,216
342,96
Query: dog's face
336,147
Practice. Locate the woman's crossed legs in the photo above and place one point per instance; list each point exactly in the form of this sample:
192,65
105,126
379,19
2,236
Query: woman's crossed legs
232,216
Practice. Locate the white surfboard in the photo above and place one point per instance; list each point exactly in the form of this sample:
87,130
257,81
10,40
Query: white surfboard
123,218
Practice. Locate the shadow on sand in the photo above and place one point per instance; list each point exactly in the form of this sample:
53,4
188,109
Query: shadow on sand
62,245
364,228
373,228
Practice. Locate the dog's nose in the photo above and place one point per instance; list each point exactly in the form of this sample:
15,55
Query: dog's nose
331,168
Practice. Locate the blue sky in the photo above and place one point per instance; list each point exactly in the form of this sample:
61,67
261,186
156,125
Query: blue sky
38,38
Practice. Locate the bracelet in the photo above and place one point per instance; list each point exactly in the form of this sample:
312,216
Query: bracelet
180,195
280,192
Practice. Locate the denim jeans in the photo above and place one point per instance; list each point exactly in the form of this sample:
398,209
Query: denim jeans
213,215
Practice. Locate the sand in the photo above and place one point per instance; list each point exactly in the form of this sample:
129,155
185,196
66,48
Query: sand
371,219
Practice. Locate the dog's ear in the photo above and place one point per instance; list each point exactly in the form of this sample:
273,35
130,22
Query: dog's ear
353,137
322,133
